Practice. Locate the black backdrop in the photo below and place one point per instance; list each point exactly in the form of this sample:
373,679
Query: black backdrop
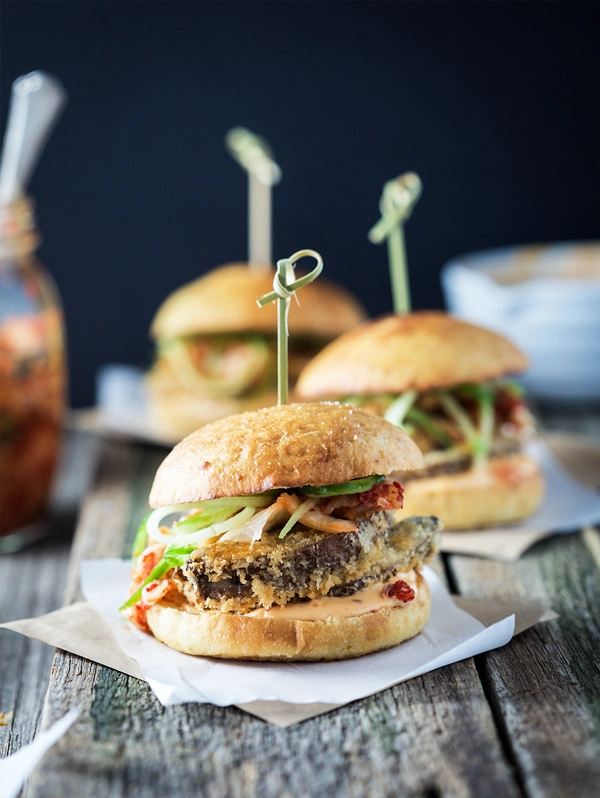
494,104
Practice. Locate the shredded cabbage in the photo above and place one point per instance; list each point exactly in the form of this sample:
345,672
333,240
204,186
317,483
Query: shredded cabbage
200,515
252,529
211,532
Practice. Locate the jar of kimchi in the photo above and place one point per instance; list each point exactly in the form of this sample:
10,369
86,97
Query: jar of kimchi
33,379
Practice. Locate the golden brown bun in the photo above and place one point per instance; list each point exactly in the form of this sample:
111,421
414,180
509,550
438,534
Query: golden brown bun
178,413
285,446
224,300
422,350
508,489
220,634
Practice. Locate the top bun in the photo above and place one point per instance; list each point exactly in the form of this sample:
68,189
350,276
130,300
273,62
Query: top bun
419,351
285,446
224,300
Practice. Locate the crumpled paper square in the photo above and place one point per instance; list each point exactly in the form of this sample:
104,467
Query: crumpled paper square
100,634
450,634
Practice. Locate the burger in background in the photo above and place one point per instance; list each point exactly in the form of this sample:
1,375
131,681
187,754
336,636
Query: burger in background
446,383
216,350
274,537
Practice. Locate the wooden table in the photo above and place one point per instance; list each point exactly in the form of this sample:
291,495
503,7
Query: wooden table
522,720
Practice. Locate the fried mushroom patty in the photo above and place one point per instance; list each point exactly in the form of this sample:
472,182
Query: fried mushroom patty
240,577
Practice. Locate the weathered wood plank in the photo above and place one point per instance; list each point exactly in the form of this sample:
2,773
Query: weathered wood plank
29,585
434,735
545,686
103,514
32,583
403,742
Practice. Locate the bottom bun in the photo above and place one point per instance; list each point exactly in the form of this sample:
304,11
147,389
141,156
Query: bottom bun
226,635
507,489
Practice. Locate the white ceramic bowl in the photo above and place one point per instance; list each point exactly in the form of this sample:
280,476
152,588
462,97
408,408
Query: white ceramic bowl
547,300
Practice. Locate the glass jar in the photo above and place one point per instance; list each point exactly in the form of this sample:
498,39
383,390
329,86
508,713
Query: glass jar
33,379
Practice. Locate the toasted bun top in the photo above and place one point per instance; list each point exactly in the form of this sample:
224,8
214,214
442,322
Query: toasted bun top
285,446
422,350
224,300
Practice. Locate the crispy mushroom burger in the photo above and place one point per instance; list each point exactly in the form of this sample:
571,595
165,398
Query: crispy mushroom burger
446,383
274,538
216,350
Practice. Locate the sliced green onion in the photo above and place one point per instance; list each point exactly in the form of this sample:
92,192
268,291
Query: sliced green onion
156,518
422,419
479,441
486,427
141,538
213,531
396,412
343,488
477,391
202,520
298,513
459,414
515,389
484,395
180,549
177,555
156,573
212,511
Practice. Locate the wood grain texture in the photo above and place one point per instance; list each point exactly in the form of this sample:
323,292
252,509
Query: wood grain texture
32,583
29,585
545,685
401,742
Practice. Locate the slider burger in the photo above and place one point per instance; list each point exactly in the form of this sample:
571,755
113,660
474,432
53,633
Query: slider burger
443,381
216,350
274,538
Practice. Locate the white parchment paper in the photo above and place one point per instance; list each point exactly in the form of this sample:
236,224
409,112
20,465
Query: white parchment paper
79,629
15,769
450,635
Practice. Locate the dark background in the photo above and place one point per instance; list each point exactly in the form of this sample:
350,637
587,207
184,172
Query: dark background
494,104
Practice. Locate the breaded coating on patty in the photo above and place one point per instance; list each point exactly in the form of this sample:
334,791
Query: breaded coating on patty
240,577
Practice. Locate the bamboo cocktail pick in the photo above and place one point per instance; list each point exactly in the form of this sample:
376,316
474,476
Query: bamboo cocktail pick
397,201
254,155
284,286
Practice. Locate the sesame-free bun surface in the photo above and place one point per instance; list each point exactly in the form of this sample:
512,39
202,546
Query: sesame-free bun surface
421,350
507,489
285,446
221,634
177,412
224,300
